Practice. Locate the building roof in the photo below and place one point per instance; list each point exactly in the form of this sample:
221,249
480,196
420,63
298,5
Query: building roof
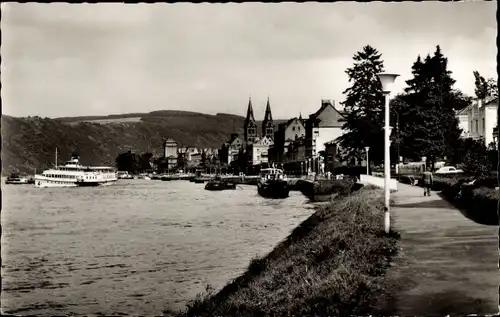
170,140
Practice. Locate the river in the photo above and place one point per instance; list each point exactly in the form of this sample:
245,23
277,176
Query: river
137,247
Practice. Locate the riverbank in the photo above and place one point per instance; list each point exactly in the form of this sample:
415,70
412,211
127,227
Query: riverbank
333,263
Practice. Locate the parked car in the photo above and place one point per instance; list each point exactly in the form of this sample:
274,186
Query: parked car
448,170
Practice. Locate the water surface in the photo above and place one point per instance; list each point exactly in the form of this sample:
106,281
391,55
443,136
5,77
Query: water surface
136,247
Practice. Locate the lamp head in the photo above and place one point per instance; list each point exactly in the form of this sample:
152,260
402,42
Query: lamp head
387,80
367,148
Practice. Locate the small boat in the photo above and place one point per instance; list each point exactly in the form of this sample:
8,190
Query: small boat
219,184
199,180
156,177
273,183
124,175
16,179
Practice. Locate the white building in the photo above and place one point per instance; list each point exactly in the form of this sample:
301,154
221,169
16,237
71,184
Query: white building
326,126
479,119
259,150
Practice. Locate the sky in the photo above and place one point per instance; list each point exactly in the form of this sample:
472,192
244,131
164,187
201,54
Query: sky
64,59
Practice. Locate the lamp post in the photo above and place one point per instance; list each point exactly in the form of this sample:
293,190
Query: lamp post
367,148
387,80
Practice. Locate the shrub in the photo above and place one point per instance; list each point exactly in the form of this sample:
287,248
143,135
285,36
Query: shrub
326,187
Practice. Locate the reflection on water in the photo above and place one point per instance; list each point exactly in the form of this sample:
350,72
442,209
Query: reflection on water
137,247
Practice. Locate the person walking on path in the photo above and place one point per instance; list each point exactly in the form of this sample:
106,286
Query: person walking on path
428,180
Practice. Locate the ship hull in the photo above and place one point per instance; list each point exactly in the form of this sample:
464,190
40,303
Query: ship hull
273,189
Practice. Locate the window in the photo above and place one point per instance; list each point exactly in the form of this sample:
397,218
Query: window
477,129
483,126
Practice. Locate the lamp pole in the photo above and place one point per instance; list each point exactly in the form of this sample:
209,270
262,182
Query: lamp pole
367,148
387,80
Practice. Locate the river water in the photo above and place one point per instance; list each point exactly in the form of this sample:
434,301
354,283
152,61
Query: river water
137,247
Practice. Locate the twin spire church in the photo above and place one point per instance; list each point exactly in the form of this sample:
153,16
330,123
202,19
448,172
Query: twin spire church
250,125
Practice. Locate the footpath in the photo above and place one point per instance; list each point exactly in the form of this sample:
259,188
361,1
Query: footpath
449,264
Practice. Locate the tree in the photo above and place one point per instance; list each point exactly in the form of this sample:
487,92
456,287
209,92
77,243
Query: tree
128,161
203,157
145,161
492,88
428,124
364,106
181,160
476,160
482,88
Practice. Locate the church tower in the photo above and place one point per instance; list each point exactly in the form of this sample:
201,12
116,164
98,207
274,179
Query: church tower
268,124
250,126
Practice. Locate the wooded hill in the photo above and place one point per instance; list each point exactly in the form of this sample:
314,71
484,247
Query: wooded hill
29,143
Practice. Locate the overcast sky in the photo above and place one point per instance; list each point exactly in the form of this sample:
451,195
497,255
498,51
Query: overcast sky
96,59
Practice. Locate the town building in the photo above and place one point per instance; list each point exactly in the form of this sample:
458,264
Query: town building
256,147
299,143
287,133
258,151
479,120
231,149
325,125
171,148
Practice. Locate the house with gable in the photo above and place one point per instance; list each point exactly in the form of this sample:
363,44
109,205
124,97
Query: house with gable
258,151
325,125
479,119
288,132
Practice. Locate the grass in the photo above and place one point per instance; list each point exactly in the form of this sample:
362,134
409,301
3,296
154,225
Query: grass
331,264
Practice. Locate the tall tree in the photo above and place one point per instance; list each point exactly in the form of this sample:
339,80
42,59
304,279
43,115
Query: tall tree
428,123
128,161
481,84
364,106
145,161
484,87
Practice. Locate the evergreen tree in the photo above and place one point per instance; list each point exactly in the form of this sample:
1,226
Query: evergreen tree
482,89
364,106
428,124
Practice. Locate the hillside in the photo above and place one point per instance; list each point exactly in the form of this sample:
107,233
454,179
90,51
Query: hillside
29,143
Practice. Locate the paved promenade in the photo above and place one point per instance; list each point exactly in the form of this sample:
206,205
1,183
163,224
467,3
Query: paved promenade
449,263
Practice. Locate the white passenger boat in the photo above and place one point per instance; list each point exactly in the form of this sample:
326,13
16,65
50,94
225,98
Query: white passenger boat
72,174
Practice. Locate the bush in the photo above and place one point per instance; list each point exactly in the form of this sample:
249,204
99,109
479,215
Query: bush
326,187
332,264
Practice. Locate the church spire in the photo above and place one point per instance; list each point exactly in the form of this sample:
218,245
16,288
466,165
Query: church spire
268,116
250,116
250,126
268,124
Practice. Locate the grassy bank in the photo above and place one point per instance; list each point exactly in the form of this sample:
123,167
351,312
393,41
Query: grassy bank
332,264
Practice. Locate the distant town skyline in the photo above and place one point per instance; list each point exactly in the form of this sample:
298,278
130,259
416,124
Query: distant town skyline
62,60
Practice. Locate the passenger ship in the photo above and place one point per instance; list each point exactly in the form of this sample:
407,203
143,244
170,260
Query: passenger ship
72,174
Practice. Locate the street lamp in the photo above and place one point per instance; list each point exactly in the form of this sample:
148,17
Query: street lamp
367,148
387,80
